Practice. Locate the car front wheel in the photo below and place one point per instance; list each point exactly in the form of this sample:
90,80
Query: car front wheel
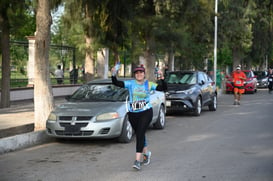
213,105
161,119
198,107
127,132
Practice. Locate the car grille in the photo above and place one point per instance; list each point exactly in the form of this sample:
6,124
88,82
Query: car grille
77,125
80,133
78,118
177,105
73,130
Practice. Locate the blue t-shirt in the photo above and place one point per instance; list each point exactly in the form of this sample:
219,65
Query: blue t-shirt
139,95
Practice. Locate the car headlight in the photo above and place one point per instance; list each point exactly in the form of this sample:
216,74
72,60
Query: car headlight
249,81
107,116
52,117
188,91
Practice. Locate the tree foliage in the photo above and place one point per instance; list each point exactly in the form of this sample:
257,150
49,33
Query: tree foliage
11,13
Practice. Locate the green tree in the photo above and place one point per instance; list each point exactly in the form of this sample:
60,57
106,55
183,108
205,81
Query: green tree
235,22
82,16
197,19
262,33
144,27
114,26
11,13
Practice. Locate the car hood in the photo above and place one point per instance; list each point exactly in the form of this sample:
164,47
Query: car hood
178,87
247,79
89,108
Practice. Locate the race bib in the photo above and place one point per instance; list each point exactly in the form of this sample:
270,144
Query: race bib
270,79
138,105
238,82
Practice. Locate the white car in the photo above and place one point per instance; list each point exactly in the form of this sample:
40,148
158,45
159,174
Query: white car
98,109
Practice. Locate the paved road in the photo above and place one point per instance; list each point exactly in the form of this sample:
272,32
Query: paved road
235,143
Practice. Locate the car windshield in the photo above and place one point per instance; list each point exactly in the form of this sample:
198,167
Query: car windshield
248,74
261,74
99,92
181,78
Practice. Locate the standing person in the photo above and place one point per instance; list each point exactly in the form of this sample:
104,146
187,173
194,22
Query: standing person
166,69
238,82
156,72
270,80
59,74
140,109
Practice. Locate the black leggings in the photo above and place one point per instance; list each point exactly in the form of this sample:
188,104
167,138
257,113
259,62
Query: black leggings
140,122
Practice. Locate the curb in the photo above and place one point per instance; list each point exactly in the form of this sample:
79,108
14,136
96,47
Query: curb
21,141
12,131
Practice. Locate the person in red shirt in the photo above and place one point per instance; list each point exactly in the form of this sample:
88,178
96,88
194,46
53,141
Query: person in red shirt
238,82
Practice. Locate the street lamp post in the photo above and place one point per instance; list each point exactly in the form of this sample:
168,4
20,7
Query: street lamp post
215,40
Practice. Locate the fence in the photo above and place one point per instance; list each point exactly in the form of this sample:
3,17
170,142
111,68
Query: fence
26,93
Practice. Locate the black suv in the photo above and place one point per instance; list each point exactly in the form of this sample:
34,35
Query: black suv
190,91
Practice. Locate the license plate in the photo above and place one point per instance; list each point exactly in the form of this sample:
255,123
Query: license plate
72,129
168,103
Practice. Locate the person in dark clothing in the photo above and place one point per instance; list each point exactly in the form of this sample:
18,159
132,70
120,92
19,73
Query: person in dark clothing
140,109
270,80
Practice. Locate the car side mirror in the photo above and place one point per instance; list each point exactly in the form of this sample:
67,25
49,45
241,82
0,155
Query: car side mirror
67,97
202,82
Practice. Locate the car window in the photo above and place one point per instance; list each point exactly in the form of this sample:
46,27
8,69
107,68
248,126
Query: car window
172,79
260,74
99,92
209,78
248,74
206,78
189,79
201,78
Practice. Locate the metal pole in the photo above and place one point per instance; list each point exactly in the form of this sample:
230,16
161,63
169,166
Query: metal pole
215,40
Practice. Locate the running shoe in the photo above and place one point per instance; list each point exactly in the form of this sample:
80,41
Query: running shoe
147,158
137,165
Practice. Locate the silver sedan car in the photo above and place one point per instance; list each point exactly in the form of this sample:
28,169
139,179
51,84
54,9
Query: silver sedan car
98,109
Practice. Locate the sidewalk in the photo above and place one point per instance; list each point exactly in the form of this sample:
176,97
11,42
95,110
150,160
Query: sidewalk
17,126
18,118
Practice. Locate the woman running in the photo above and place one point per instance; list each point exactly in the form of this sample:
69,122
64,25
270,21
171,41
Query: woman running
140,110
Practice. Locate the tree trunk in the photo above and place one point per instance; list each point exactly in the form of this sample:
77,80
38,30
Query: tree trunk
149,65
236,58
43,97
171,60
89,60
5,83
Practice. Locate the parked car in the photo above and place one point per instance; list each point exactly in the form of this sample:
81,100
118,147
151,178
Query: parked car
262,79
98,109
250,84
190,91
